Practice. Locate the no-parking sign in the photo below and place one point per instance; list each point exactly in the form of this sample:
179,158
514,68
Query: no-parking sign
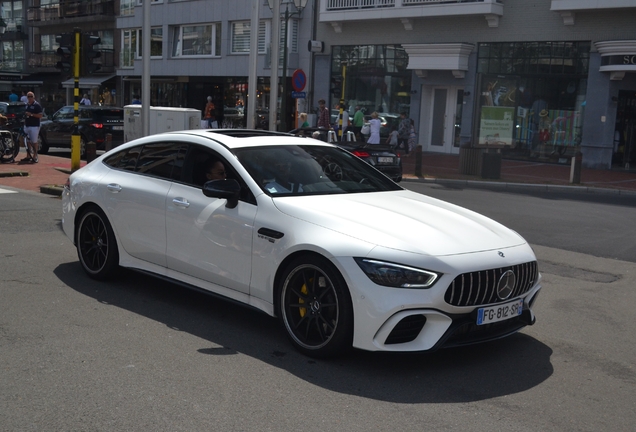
299,80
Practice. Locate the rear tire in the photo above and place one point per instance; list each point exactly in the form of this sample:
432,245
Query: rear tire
96,244
315,308
10,149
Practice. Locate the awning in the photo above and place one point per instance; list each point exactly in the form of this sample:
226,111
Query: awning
87,82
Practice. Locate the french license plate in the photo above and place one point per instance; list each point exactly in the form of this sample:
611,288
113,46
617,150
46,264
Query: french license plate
118,128
385,159
500,312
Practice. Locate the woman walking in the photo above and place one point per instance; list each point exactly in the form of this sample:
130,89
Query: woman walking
374,126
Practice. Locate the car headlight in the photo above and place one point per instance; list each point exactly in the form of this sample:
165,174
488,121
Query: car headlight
396,275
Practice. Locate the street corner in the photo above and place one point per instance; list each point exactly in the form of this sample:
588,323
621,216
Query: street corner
52,189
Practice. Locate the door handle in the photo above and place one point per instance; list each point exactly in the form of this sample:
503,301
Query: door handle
181,202
113,187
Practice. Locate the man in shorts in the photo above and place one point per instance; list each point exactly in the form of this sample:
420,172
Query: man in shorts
32,115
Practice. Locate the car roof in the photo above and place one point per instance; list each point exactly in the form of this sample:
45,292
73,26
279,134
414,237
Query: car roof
234,138
237,138
96,107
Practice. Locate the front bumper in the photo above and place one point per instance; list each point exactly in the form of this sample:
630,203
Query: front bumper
403,320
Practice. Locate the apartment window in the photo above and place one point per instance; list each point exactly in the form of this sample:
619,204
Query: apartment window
292,36
48,43
131,45
241,37
197,40
156,42
127,7
128,48
12,14
12,55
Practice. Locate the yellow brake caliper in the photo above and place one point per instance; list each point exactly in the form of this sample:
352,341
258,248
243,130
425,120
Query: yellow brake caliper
305,291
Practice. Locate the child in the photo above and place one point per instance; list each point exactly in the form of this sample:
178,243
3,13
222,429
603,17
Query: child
303,120
392,140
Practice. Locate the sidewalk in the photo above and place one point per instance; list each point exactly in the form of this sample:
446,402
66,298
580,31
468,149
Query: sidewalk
47,176
517,173
50,174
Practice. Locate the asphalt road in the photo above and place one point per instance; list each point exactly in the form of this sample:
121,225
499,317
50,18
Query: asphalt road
142,354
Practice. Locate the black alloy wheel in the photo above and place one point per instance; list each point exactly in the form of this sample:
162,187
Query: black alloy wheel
96,244
316,308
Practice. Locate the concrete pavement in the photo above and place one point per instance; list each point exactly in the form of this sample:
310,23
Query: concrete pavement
50,174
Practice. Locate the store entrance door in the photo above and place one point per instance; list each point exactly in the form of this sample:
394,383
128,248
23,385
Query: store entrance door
625,134
446,119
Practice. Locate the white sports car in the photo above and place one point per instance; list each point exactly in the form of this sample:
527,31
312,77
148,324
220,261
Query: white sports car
304,231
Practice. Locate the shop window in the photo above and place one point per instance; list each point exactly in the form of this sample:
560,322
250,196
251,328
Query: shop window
377,79
532,96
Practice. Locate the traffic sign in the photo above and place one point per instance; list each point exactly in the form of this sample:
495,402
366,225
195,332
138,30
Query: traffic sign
299,80
299,95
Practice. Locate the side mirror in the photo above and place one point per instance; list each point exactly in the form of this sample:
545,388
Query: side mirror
227,189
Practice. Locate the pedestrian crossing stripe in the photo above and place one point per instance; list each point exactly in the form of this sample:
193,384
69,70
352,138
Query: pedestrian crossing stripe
3,191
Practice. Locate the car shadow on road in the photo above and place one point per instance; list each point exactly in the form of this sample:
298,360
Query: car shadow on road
466,374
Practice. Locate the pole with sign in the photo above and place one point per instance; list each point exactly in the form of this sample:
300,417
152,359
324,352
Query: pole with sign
299,81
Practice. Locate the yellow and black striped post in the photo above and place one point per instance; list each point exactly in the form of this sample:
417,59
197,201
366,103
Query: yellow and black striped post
75,138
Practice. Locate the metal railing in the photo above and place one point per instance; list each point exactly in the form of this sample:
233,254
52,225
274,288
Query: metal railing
12,66
48,59
71,9
368,4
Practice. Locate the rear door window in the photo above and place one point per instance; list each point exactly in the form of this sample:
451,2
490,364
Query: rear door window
109,115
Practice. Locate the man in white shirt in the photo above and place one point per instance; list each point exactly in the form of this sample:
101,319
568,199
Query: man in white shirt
85,100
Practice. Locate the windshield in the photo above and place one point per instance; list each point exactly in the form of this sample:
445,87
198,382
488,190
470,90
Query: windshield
311,170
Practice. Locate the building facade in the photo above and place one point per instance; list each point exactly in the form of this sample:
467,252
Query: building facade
29,47
201,48
539,79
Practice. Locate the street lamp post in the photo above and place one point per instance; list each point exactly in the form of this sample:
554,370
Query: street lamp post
300,5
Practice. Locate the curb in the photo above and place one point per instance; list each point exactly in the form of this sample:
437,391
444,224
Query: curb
526,186
55,190
14,174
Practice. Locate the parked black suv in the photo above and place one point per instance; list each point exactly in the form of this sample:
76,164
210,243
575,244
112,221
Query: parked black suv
94,123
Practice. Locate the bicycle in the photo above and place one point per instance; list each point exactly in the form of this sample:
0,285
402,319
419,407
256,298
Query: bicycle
9,148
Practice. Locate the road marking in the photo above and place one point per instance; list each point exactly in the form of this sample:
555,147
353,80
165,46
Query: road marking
3,191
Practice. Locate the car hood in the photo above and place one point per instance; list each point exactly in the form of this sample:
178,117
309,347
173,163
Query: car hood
402,220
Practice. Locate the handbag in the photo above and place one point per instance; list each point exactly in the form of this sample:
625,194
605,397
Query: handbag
366,129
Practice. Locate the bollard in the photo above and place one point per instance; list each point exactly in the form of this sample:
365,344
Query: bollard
90,151
418,161
575,168
108,142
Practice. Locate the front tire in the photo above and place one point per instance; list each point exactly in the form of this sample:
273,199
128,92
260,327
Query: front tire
315,308
96,244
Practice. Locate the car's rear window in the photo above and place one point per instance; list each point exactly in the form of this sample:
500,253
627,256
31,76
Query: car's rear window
16,109
108,114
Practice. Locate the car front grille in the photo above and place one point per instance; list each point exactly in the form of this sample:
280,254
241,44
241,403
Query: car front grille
480,287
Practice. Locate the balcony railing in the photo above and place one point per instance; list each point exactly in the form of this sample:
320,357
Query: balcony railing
366,4
71,9
12,66
45,61
337,12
